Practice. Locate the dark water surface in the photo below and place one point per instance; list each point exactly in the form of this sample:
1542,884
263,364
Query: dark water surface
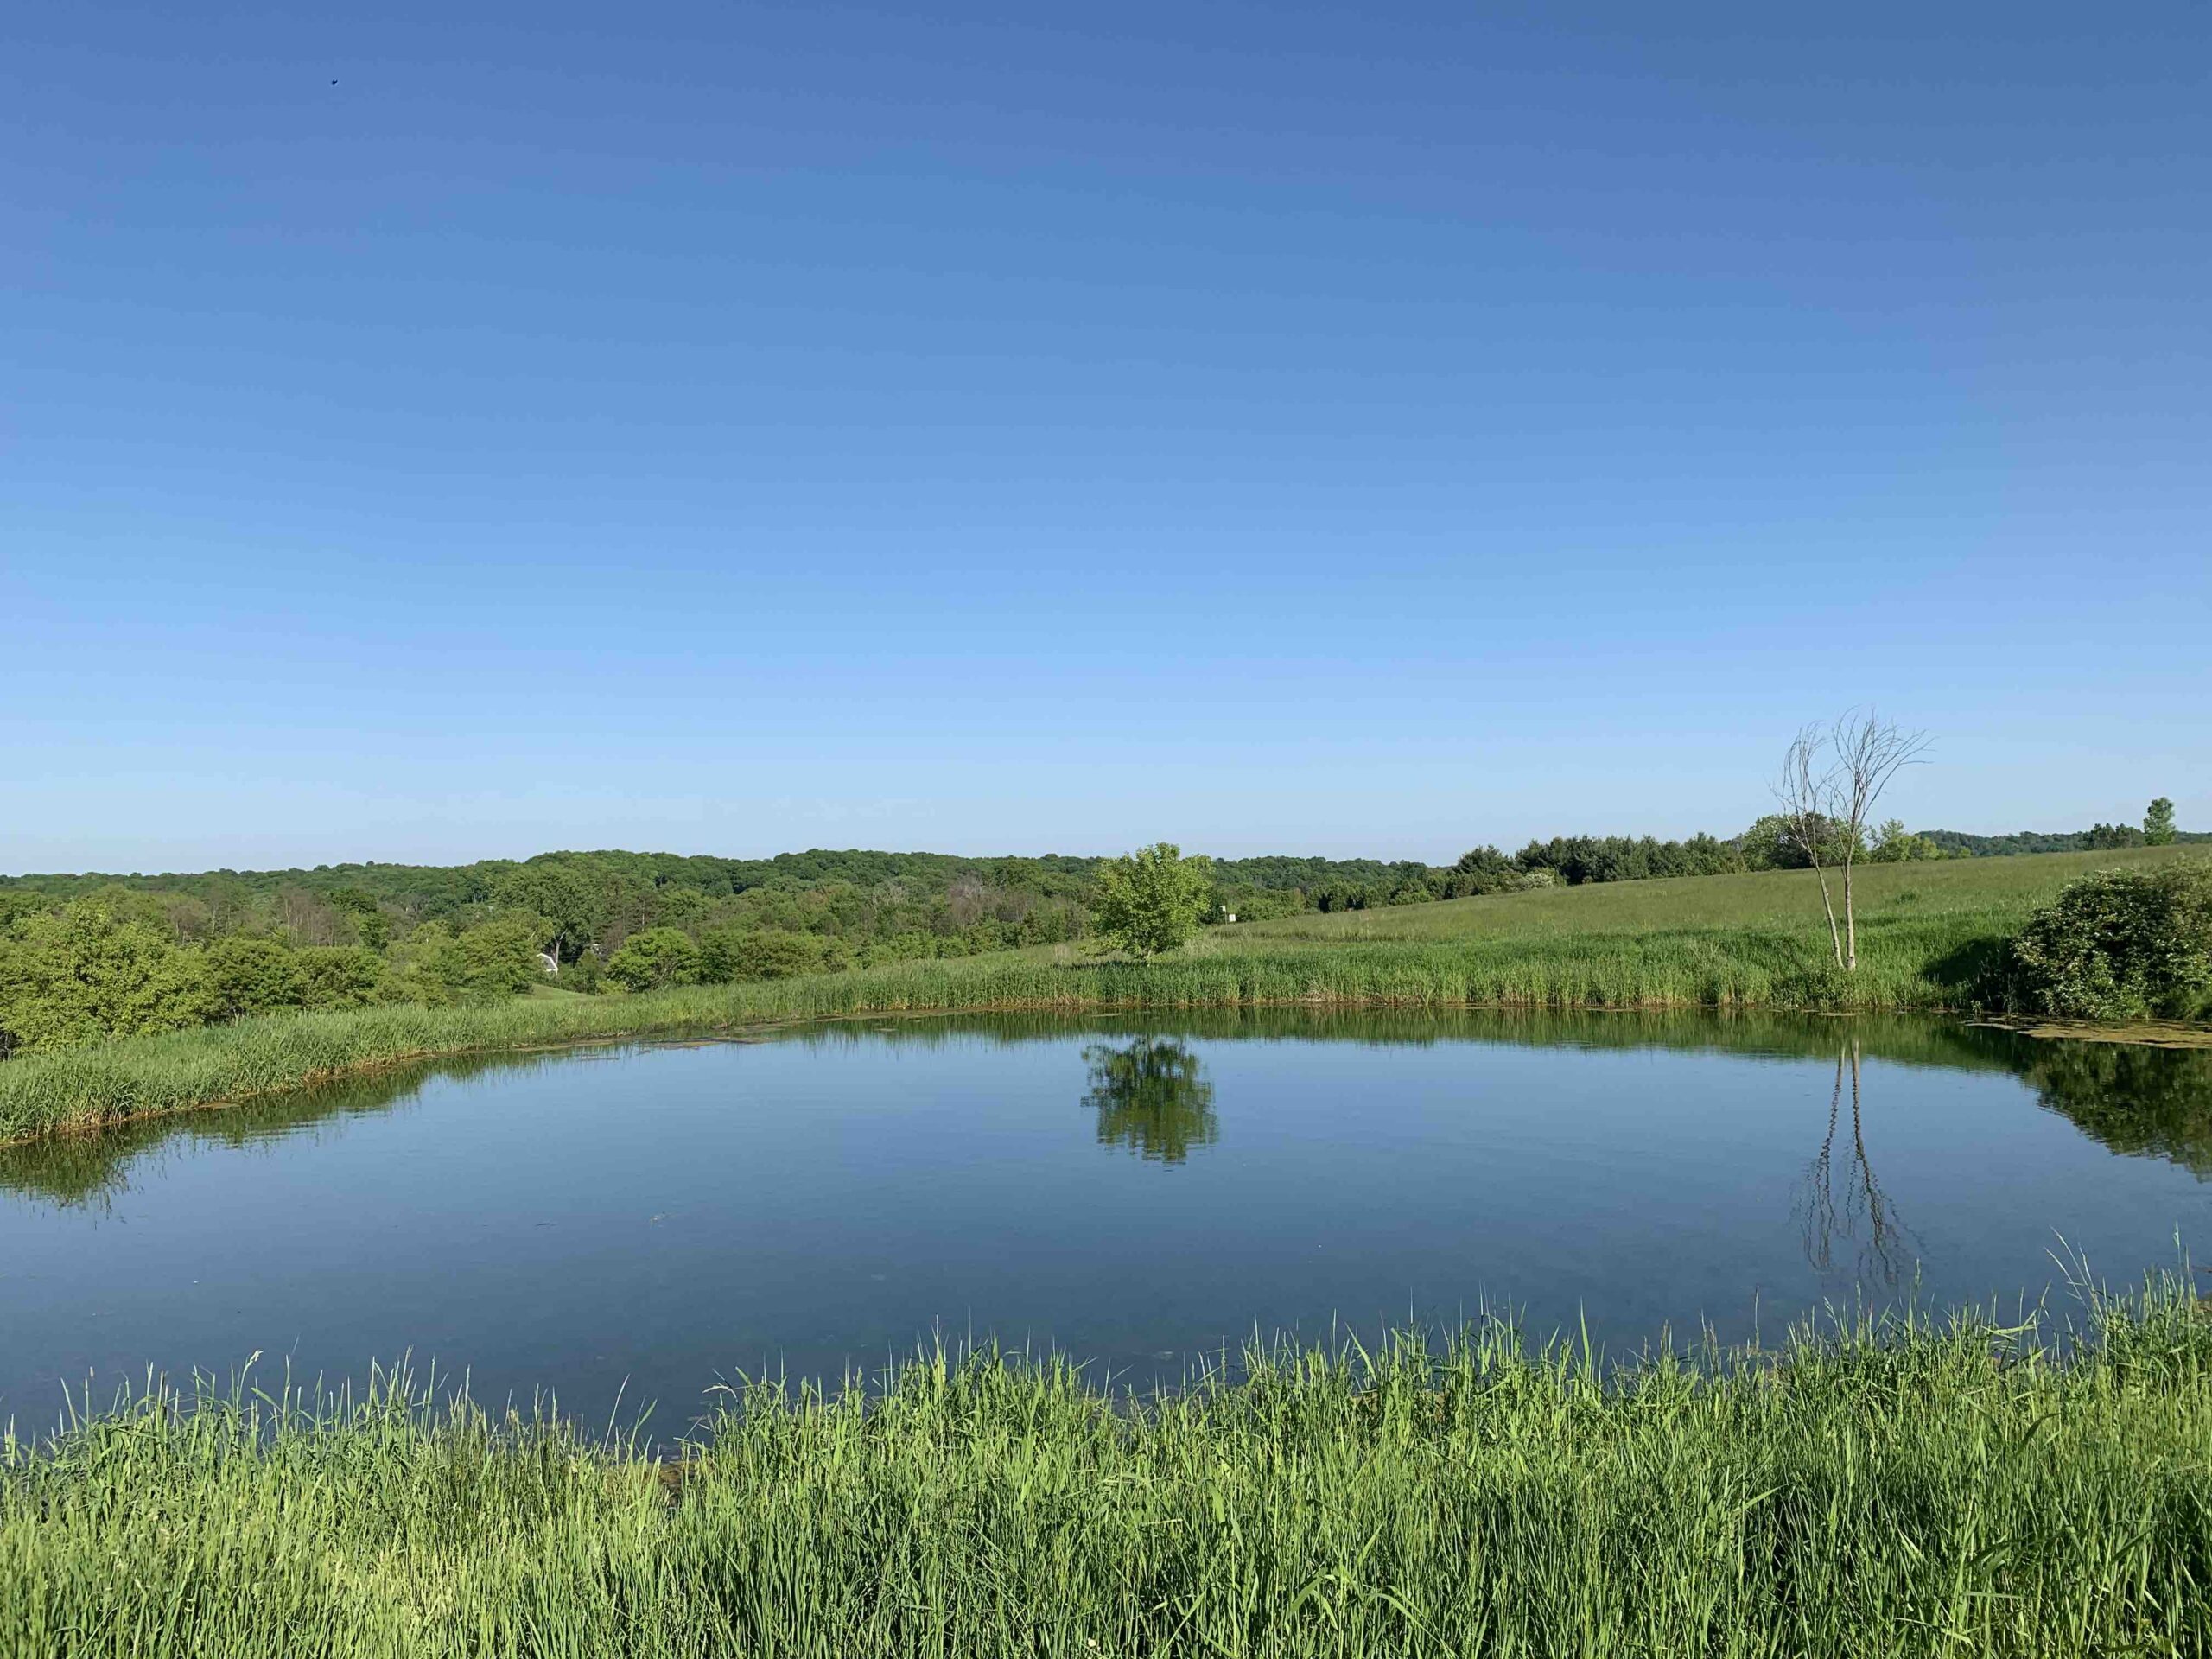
1137,1191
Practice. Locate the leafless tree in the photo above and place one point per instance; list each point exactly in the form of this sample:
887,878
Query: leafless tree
1830,779
1806,793
1869,750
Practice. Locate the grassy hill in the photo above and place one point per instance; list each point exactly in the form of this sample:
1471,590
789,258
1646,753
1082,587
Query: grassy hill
1932,936
2001,890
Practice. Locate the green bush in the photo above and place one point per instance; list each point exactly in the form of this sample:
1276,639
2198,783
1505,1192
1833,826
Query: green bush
340,976
247,976
486,963
729,955
81,975
2120,944
655,960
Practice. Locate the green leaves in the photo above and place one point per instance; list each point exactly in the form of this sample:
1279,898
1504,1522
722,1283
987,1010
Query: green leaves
2121,944
1148,902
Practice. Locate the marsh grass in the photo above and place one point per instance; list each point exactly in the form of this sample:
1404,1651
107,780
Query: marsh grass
1898,1488
182,1070
1713,942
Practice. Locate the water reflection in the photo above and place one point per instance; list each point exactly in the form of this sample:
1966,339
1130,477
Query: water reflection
76,1171
1152,1097
1860,1215
2146,1103
2139,1101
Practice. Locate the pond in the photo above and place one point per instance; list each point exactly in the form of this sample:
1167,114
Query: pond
637,1223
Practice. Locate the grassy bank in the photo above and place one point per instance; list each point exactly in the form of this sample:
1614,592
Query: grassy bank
1904,1491
178,1070
1929,937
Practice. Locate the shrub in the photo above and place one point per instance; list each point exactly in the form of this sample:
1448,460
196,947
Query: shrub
654,960
247,976
2120,944
81,974
729,955
497,959
341,975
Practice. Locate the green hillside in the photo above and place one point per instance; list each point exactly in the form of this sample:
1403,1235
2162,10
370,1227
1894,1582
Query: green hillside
1999,890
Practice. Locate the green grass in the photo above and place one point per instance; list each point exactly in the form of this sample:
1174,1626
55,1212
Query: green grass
1991,892
1929,937
1877,1490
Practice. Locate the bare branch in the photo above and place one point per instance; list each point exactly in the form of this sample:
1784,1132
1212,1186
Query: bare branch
1869,752
1807,800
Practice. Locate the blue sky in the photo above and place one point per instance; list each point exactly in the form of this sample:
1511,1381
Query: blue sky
432,433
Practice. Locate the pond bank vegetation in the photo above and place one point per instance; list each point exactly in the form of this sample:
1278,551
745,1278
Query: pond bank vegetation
1928,948
1898,1488
178,1070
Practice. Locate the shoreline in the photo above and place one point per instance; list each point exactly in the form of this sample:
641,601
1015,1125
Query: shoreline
1849,1490
105,1095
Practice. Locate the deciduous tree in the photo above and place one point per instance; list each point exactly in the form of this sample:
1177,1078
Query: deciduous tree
1150,901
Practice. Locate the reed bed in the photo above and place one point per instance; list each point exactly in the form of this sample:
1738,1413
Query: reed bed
1899,1488
1924,963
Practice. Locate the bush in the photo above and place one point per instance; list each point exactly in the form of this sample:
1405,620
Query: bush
496,959
341,975
2120,944
654,960
81,975
245,976
730,954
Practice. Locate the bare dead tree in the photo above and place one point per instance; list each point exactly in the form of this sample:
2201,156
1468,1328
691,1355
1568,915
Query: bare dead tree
1830,779
1869,750
1806,792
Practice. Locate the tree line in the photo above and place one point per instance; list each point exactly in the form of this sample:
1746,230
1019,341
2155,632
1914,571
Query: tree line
86,957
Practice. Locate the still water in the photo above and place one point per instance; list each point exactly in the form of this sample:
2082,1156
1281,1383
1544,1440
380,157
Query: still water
639,1224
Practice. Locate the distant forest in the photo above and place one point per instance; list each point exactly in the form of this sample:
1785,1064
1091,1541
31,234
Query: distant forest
87,956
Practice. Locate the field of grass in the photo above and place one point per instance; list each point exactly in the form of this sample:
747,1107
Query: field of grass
1995,893
1930,937
1893,1491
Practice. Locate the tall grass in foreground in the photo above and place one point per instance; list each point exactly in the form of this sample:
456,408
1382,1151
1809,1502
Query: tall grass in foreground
1894,1490
1922,964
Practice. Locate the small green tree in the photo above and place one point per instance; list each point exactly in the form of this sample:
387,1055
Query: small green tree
495,960
727,955
1895,845
2158,823
656,958
341,975
245,976
79,975
1148,902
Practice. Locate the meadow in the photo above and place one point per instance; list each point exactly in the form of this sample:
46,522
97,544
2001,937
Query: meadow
1891,1489
1932,939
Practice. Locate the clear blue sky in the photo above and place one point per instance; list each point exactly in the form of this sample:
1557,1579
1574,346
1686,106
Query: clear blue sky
436,432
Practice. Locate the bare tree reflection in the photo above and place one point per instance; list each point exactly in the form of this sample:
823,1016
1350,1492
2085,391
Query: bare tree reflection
1861,1216
1151,1098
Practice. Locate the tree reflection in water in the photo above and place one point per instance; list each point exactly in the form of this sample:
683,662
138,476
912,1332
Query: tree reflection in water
1151,1098
1888,1247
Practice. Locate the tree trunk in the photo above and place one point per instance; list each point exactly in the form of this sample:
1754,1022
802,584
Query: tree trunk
1836,939
1850,918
